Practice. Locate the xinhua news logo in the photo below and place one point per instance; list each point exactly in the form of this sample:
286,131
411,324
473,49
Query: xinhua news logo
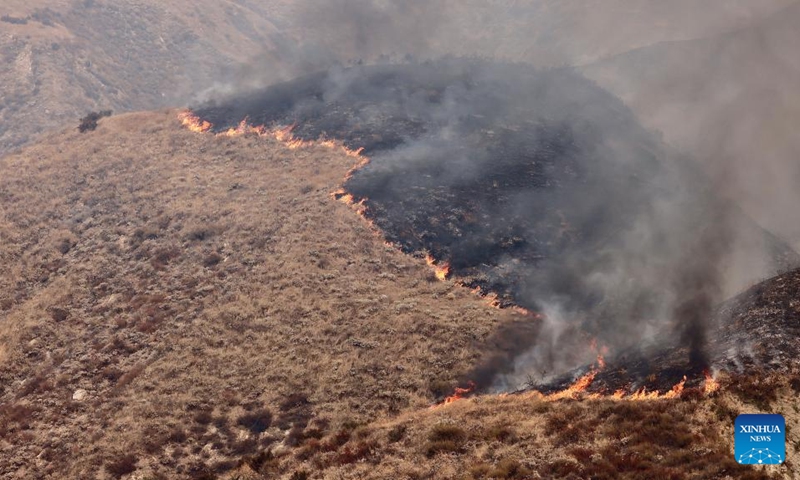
760,439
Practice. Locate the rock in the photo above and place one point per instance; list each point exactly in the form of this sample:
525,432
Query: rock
80,395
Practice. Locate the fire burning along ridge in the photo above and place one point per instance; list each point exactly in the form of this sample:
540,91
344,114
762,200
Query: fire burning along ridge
441,270
285,136
579,390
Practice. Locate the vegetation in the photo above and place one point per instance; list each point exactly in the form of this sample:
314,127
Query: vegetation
89,122
306,348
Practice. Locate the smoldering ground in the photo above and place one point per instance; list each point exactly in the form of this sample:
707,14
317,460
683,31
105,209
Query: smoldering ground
535,185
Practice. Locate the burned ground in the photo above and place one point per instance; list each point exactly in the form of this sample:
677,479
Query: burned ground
534,186
757,331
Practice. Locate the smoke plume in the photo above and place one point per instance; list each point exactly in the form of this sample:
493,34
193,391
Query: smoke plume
535,184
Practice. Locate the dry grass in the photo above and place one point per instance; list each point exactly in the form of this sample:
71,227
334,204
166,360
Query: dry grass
184,301
228,319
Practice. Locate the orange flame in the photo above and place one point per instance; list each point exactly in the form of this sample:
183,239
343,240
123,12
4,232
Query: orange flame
710,385
281,134
575,389
193,122
524,311
601,362
677,389
458,394
442,271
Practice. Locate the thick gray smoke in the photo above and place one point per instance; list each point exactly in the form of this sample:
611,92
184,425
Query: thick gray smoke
651,279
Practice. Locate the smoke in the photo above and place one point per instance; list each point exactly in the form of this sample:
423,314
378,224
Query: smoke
622,239
365,30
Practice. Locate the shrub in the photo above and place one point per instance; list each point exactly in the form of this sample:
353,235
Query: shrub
510,469
758,389
176,435
89,122
442,446
397,433
501,433
203,417
309,449
163,256
336,440
445,439
14,20
257,421
129,376
122,466
201,233
440,388
795,383
59,314
14,417
447,433
37,384
211,260
359,451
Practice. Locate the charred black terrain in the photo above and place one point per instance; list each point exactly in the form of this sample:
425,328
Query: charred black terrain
756,331
536,186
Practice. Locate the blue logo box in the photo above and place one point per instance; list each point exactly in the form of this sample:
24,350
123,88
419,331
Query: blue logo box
760,439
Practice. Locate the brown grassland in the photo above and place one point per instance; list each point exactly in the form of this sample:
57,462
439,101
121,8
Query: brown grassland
178,305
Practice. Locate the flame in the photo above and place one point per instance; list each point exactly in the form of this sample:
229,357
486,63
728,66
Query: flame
458,394
643,394
579,387
601,362
575,389
286,136
442,271
193,122
677,389
525,311
710,385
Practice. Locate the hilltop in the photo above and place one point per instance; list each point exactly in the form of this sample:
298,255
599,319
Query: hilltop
64,58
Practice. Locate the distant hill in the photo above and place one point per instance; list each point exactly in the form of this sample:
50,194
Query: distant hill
730,101
63,58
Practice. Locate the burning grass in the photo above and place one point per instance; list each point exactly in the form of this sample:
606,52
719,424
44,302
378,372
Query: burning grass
211,272
306,346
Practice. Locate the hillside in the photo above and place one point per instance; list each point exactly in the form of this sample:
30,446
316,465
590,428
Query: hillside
181,280
731,101
193,306
63,58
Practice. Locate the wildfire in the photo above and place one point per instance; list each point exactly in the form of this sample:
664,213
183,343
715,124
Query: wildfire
442,271
710,385
601,362
525,311
676,390
193,122
575,389
284,135
349,199
601,352
458,394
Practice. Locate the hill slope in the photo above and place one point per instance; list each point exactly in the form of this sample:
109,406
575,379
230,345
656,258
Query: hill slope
732,102
187,306
177,278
